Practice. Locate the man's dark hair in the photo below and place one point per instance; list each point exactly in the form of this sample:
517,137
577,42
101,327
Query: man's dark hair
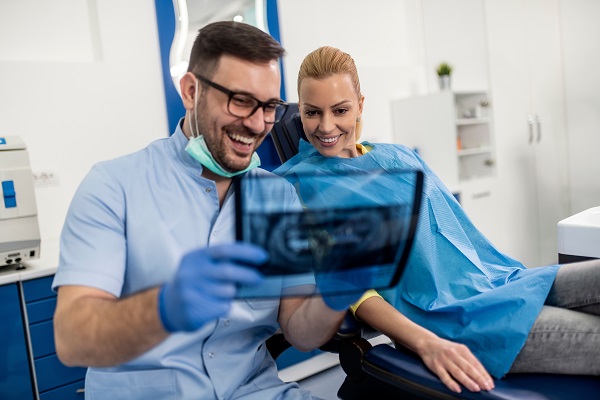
234,38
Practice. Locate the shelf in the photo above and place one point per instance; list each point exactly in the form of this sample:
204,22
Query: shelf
472,152
472,121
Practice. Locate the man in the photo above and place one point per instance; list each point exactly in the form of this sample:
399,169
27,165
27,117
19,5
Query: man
148,266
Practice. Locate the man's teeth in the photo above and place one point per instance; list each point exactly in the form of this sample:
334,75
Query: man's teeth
328,140
240,138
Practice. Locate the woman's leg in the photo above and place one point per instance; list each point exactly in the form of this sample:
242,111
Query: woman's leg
561,341
565,337
577,287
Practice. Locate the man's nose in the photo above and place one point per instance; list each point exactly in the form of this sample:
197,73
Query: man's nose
256,122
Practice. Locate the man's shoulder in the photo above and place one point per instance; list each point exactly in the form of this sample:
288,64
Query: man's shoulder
152,154
260,172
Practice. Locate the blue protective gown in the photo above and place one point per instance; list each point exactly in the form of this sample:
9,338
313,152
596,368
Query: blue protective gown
456,283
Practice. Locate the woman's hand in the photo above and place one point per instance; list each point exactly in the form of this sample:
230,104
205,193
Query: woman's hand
454,363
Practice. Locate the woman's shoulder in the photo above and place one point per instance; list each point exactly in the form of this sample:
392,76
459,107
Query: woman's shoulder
389,147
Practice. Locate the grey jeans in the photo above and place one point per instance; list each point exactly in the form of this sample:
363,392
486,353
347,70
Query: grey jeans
565,337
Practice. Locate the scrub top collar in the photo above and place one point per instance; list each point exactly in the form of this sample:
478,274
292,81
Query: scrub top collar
178,143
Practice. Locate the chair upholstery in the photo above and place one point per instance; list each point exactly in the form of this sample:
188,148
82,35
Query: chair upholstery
383,372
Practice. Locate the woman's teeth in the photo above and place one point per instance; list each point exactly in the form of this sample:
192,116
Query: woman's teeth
328,140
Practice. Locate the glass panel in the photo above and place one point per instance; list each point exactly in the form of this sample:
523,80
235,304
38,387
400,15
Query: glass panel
192,15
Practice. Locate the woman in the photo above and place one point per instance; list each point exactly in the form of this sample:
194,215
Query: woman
456,284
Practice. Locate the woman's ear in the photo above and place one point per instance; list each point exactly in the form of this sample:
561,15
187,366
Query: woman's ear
187,85
360,105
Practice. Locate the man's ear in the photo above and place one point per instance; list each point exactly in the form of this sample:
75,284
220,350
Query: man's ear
187,85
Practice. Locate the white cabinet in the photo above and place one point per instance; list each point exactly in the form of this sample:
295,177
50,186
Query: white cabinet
450,131
453,133
526,84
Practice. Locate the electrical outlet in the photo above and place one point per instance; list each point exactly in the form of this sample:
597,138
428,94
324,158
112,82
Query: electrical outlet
45,177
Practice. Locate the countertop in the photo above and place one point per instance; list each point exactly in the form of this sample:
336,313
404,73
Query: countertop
45,265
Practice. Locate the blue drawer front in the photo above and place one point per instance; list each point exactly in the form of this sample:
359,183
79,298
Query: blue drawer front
42,310
15,378
51,373
37,289
72,391
42,339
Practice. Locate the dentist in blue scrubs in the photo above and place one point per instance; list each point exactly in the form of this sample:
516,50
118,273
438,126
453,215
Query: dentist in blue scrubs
149,266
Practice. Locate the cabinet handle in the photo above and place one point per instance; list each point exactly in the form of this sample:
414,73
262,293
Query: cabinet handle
530,122
481,195
538,122
80,390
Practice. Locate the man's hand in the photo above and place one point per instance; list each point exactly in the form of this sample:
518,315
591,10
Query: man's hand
206,283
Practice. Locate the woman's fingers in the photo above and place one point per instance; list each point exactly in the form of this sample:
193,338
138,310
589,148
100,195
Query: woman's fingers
454,364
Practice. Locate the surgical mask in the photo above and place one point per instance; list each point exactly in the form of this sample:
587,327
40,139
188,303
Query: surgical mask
198,149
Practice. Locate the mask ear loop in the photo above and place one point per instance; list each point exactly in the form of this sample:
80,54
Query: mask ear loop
195,114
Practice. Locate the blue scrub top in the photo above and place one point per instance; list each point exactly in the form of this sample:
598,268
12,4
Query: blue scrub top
129,224
456,283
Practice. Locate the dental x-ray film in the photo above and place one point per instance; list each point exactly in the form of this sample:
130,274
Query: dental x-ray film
328,234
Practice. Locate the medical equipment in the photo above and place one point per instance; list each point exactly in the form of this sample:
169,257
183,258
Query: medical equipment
19,227
579,236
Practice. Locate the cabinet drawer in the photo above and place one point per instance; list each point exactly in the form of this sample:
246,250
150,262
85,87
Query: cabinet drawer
37,289
51,373
68,392
42,339
41,310
15,379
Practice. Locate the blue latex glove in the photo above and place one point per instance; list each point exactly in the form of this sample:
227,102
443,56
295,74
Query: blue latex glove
206,283
340,290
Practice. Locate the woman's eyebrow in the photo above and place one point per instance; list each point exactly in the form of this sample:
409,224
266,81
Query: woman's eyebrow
333,106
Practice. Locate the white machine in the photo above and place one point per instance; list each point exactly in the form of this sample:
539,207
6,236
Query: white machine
579,236
19,227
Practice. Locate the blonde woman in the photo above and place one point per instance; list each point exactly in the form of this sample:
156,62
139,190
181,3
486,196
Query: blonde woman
461,304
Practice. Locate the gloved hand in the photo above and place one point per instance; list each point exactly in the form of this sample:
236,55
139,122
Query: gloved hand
341,289
205,284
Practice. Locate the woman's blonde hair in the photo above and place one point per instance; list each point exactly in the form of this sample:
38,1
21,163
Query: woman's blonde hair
325,62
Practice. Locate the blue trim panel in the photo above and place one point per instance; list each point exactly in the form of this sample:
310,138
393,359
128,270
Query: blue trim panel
165,18
273,27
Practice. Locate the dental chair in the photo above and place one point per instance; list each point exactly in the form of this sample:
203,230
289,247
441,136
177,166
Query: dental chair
386,372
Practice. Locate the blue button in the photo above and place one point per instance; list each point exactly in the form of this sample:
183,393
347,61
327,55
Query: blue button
8,189
2,140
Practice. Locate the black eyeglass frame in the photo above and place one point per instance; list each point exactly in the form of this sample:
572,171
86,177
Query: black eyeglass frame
259,104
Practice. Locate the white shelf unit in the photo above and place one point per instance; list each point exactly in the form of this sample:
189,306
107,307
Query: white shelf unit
451,131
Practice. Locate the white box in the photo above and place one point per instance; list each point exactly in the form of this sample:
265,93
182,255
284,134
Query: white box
579,236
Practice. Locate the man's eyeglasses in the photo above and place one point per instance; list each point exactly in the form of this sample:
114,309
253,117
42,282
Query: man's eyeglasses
243,105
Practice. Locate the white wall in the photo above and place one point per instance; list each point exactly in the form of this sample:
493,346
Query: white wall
581,49
395,48
383,37
80,82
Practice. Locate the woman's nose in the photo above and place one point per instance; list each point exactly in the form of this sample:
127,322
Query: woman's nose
326,124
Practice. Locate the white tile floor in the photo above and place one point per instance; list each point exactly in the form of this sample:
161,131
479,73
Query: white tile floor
325,384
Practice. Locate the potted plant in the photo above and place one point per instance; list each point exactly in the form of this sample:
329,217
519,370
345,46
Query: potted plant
444,71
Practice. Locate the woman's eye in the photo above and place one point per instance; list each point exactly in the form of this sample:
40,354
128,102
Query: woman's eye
341,111
310,113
